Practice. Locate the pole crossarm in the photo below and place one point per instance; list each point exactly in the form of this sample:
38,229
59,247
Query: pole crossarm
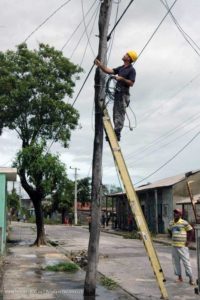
134,203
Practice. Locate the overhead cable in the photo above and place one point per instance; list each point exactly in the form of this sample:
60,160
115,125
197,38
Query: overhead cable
188,39
47,19
66,43
157,28
174,156
109,35
88,38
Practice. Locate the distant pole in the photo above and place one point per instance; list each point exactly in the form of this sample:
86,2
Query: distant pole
75,195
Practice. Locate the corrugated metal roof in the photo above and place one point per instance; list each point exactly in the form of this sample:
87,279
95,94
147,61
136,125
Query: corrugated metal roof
166,182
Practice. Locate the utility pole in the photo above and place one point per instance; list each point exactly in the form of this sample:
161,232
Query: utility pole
93,247
75,195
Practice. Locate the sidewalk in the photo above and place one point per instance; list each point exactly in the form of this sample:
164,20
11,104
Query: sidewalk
25,276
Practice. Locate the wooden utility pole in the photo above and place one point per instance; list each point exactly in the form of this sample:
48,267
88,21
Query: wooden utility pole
75,195
93,247
192,199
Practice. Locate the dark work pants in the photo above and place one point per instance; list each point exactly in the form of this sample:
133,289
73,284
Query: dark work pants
121,102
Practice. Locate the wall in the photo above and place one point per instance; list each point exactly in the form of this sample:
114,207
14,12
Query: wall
2,212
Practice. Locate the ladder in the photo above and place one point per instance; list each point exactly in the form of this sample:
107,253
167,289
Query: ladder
134,203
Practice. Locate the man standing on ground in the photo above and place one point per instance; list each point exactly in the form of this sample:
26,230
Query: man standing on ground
125,76
181,232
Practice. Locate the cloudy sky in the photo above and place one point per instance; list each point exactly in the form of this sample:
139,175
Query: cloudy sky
164,99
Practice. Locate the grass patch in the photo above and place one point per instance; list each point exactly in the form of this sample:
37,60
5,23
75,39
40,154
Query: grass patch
63,267
131,235
108,283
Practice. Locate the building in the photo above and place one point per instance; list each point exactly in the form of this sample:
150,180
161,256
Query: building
158,200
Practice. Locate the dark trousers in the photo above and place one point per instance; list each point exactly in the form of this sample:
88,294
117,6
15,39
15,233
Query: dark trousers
121,102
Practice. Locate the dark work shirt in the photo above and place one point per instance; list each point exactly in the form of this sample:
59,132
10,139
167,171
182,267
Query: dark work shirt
126,72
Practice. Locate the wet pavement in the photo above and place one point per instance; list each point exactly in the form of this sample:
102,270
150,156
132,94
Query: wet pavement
123,260
25,276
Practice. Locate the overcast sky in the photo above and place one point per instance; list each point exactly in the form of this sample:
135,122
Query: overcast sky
164,99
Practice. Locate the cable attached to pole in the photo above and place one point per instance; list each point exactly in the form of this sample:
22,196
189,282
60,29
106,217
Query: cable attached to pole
109,36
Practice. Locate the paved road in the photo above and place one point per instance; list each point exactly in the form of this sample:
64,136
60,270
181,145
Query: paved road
126,262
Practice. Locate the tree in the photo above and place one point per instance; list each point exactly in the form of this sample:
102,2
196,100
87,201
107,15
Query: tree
33,84
41,174
13,200
84,189
63,199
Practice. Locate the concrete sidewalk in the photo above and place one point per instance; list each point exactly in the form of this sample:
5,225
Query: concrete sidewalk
25,277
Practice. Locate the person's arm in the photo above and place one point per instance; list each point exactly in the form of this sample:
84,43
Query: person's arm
126,81
189,237
105,69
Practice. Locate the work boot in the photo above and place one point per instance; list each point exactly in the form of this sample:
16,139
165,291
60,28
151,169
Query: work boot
118,135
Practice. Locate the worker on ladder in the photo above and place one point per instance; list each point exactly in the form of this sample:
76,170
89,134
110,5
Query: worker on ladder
125,76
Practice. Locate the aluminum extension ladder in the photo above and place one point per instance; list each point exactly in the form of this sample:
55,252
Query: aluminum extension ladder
134,203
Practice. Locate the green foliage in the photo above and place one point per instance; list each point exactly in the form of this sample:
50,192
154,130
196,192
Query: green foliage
44,171
84,189
33,86
63,267
13,200
108,282
63,198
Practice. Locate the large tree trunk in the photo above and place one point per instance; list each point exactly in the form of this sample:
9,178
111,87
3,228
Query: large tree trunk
36,198
93,247
41,238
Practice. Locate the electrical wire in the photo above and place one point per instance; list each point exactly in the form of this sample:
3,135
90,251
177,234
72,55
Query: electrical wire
142,157
66,43
164,136
47,19
188,39
88,41
88,38
109,35
112,40
82,34
174,156
151,37
151,112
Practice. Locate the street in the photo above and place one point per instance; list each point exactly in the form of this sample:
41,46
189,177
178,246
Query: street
126,262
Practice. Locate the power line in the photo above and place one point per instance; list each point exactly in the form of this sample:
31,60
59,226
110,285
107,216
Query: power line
82,34
164,136
47,19
88,38
188,39
109,35
174,156
166,144
66,43
151,112
157,28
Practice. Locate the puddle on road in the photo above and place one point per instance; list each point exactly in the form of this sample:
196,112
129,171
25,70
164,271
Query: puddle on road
28,255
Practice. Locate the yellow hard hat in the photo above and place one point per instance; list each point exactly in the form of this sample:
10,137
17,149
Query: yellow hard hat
133,55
